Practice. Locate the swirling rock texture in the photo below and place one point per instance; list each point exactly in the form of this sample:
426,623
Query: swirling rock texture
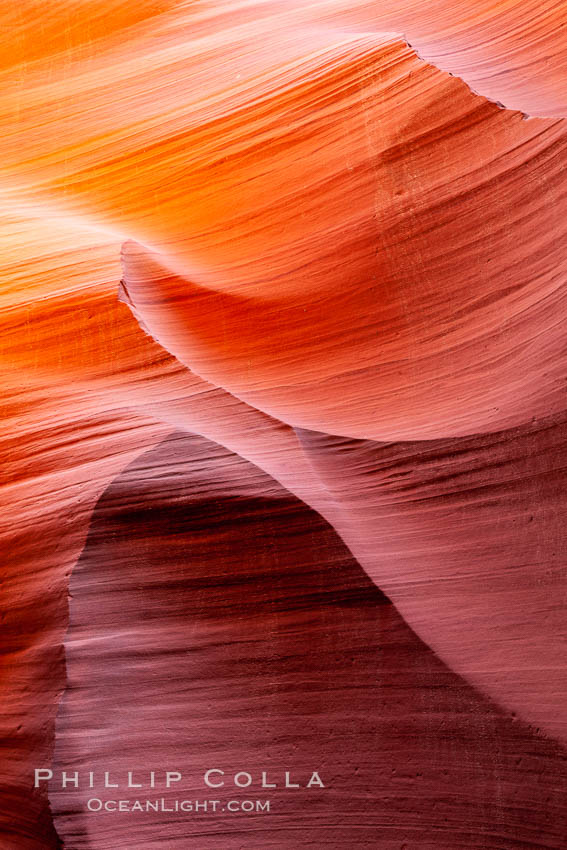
284,398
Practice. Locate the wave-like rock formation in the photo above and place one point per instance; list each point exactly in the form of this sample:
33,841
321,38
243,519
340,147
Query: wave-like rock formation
284,396
203,623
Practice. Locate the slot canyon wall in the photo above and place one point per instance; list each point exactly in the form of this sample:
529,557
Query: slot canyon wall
284,419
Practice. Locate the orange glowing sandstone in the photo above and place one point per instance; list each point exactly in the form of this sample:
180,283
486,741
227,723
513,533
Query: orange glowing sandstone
342,229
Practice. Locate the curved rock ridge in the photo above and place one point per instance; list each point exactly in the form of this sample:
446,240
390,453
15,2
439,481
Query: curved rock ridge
467,538
205,632
371,218
340,234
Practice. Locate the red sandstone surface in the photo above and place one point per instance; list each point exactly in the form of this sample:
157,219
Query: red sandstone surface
283,434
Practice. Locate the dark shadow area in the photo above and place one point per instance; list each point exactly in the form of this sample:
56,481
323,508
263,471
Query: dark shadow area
218,622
